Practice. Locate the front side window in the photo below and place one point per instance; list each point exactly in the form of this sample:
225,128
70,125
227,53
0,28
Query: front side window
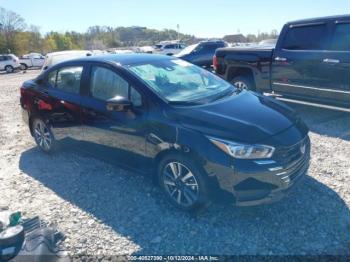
341,38
106,84
181,82
311,37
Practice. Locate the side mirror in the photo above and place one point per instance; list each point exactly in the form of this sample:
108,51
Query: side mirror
118,104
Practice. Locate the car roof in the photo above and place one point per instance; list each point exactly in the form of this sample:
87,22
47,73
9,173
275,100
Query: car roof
124,59
320,19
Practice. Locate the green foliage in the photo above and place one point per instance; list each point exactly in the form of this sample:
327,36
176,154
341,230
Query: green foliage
17,38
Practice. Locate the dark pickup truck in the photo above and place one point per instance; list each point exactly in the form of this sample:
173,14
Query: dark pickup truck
311,61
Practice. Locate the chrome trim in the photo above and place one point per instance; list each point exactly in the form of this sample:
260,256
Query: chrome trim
280,174
276,168
265,162
313,88
331,61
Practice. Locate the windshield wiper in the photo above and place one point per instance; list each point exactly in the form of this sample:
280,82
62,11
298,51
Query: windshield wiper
225,94
187,103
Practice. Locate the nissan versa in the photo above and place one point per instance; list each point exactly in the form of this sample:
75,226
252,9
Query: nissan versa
202,137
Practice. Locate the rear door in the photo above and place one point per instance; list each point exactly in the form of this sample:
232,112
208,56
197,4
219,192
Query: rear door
336,64
297,66
60,101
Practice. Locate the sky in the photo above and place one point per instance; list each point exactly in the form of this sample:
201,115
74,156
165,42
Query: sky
202,18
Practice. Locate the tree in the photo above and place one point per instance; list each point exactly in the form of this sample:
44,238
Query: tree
11,24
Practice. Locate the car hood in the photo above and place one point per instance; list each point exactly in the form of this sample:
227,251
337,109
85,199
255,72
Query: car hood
247,117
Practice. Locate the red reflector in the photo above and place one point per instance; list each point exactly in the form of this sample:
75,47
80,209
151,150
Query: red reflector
44,106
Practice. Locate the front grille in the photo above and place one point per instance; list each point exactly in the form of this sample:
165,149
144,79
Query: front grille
294,161
290,154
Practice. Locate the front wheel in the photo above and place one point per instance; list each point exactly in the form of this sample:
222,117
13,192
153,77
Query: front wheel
183,182
43,135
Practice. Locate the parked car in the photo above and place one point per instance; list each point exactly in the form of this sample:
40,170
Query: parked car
9,63
57,57
268,43
311,62
168,48
201,54
32,60
202,136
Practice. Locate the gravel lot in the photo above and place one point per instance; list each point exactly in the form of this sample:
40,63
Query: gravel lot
106,210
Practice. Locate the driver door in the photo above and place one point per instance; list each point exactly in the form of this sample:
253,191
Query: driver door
113,135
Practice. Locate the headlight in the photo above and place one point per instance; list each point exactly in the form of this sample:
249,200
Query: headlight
243,151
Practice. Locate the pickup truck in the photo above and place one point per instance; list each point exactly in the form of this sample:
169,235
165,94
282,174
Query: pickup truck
310,62
31,60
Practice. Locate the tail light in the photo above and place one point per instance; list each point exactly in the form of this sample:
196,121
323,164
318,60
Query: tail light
215,62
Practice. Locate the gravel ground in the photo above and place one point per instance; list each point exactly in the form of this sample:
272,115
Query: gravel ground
105,210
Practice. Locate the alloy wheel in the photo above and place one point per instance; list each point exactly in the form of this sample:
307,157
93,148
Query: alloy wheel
241,85
9,69
180,184
42,135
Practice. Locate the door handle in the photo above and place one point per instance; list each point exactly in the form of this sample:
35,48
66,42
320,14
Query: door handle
280,59
331,61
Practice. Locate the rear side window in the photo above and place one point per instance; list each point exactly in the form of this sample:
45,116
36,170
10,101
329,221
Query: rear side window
312,37
66,79
341,38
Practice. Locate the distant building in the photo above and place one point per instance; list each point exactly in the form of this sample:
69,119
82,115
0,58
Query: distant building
238,38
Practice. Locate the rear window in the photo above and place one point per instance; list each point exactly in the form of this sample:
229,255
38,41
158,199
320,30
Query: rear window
311,37
341,38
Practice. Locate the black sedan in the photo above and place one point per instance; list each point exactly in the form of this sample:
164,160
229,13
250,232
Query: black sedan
201,136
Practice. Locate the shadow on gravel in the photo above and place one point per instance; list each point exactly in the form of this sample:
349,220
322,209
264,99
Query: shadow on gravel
312,220
325,121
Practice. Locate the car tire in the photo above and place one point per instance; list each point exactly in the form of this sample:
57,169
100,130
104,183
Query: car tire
183,182
9,69
243,83
43,135
24,67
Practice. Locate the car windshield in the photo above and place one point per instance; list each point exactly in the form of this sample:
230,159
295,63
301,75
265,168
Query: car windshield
181,82
187,50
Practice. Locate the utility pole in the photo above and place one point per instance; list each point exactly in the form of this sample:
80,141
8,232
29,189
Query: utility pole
178,32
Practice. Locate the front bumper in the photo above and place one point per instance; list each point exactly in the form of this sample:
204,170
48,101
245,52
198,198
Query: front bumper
252,182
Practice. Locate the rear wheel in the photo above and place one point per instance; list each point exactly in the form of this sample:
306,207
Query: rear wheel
243,83
43,135
9,69
24,67
183,183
